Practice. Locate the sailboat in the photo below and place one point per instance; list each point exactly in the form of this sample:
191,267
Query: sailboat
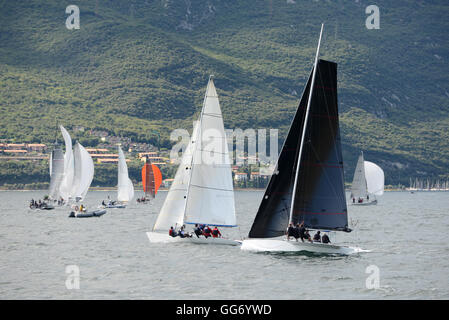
82,178
125,188
368,180
307,185
202,190
151,181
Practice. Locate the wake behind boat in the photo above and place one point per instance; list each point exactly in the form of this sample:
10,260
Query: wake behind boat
202,192
307,186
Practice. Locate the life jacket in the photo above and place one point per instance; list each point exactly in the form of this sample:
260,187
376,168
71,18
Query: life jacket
215,233
206,231
170,232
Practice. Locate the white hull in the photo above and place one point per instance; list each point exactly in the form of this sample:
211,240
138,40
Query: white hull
272,245
157,237
374,202
215,241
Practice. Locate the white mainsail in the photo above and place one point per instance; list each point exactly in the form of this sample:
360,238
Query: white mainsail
211,195
65,189
202,190
125,189
172,211
56,172
359,187
84,172
375,178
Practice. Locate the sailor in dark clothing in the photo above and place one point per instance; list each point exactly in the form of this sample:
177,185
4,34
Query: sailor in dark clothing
303,233
317,237
290,231
325,239
198,231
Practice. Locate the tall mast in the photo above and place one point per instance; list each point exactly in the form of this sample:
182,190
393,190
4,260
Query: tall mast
305,125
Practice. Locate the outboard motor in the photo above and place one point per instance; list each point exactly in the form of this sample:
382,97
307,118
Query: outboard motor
72,214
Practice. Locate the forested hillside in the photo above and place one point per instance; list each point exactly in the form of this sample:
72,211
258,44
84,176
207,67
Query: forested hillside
134,67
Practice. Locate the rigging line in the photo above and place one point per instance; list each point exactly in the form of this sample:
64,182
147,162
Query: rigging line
214,115
202,187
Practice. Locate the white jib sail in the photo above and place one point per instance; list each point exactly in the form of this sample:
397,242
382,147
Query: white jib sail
125,188
358,187
84,172
211,195
66,187
56,173
172,211
375,178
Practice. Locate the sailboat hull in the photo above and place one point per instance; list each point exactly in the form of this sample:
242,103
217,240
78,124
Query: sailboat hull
214,241
157,237
365,203
272,245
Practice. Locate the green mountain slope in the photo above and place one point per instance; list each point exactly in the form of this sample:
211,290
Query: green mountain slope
138,66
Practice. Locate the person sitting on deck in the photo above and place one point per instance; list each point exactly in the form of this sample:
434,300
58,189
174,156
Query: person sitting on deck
317,237
172,232
303,233
216,233
360,200
198,231
182,233
325,238
353,200
207,232
290,231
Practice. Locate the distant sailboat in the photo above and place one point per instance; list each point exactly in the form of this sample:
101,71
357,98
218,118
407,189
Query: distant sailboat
151,180
202,190
368,180
307,185
125,188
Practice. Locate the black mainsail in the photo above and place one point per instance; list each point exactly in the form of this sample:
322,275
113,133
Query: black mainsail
319,198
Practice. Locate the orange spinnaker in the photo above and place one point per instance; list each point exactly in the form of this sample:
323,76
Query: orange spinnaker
157,177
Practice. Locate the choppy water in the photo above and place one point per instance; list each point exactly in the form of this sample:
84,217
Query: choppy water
406,233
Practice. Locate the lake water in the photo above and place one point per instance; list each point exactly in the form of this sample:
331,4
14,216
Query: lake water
406,233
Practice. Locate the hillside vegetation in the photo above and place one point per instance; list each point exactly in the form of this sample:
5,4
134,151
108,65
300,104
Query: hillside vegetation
134,67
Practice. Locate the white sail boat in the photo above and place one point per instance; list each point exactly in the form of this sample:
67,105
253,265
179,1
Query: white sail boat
368,180
308,183
125,188
202,191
